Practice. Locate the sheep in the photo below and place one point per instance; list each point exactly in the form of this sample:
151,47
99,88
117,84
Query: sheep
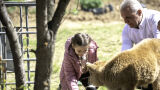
138,66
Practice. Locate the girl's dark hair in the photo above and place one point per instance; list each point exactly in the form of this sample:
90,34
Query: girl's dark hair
81,39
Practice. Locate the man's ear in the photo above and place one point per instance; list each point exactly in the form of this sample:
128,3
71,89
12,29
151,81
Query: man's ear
139,12
90,67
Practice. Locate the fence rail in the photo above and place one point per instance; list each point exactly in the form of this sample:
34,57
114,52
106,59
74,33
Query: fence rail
12,3
22,31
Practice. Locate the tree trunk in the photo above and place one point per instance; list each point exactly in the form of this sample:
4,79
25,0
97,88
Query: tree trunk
46,39
15,47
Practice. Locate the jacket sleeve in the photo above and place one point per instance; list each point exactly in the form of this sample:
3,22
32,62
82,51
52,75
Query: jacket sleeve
96,57
70,73
154,24
92,55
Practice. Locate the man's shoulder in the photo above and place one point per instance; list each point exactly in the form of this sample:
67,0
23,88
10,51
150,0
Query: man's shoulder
126,27
150,12
151,16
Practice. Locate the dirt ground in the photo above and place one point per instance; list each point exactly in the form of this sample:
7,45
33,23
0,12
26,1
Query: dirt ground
107,17
89,16
83,16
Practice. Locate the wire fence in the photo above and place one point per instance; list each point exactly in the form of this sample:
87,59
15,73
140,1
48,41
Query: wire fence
27,37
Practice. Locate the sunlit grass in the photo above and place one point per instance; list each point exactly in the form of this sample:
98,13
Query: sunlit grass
107,36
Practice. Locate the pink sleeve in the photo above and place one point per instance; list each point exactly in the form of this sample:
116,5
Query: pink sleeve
70,73
92,57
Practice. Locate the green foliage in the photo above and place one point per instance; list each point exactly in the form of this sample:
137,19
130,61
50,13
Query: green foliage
72,11
11,10
32,10
75,11
90,4
15,0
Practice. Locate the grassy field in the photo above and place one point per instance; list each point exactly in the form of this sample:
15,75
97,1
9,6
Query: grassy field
107,36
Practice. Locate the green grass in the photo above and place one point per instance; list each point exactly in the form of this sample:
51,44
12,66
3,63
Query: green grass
107,36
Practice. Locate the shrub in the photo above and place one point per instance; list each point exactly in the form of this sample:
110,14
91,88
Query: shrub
90,4
15,0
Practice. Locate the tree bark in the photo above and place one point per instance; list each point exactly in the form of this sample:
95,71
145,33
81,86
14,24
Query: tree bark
58,16
50,10
46,35
15,47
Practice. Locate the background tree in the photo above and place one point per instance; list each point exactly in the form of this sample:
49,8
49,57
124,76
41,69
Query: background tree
47,27
15,47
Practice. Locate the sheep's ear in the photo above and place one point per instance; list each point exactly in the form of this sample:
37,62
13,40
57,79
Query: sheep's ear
90,67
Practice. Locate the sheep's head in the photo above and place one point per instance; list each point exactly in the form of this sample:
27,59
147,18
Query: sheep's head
94,74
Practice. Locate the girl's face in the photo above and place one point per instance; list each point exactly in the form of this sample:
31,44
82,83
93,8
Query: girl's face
80,50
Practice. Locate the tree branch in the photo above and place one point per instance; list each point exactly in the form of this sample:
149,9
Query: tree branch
15,47
57,18
50,10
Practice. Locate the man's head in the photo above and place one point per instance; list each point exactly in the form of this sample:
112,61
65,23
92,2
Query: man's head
131,12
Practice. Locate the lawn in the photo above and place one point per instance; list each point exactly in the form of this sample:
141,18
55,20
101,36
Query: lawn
107,36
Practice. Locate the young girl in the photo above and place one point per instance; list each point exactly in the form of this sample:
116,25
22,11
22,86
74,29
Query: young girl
79,49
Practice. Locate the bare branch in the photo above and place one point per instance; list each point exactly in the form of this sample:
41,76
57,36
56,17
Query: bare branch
15,47
57,18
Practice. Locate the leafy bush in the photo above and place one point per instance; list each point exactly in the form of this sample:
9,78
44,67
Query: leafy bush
15,0
90,4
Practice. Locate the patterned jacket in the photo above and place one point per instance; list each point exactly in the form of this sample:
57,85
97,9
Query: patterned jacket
71,69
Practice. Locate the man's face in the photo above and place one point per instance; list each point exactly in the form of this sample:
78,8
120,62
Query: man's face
133,19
